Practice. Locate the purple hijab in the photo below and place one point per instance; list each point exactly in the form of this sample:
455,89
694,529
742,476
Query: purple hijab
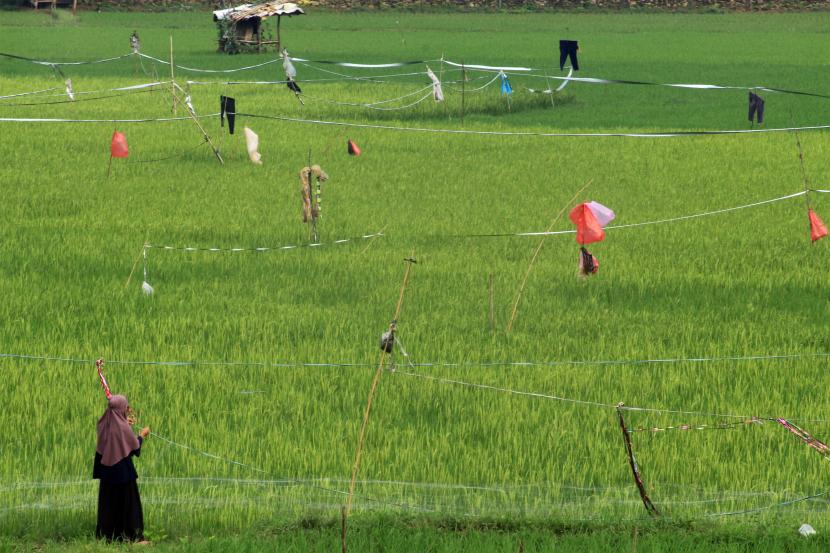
115,437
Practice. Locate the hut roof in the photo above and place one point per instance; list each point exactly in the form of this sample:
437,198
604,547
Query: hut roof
258,11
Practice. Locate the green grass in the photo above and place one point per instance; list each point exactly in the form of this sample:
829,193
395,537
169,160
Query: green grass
747,283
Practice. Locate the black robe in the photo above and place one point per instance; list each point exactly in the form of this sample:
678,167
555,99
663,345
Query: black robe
119,506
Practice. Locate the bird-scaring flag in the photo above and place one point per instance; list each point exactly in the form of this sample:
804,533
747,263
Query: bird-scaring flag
437,93
817,228
118,146
590,218
69,91
99,364
353,148
252,141
505,84
290,73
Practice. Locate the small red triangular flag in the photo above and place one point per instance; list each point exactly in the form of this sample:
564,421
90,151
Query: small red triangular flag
353,149
817,228
118,147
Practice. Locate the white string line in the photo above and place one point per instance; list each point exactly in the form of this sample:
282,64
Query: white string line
32,92
376,78
196,70
439,364
300,482
264,249
82,93
533,133
55,63
372,105
57,120
472,67
587,402
672,219
478,89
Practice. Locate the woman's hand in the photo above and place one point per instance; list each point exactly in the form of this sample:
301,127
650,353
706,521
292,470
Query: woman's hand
144,432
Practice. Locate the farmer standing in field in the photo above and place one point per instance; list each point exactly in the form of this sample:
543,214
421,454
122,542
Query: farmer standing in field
119,505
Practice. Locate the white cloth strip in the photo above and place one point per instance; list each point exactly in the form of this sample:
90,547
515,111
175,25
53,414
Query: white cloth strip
51,120
673,219
488,67
260,249
536,134
32,93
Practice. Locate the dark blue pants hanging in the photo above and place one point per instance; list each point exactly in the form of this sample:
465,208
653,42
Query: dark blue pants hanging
567,49
756,106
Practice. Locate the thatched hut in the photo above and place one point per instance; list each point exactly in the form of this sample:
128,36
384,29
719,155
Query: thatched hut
242,28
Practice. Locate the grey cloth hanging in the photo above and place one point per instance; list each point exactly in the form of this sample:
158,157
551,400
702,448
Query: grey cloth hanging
756,106
567,49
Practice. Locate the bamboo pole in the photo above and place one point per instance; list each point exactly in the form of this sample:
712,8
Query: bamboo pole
536,254
172,76
362,436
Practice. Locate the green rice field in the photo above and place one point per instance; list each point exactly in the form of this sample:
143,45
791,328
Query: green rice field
253,367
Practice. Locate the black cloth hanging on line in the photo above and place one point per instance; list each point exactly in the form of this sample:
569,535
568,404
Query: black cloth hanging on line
567,49
227,106
756,106
293,86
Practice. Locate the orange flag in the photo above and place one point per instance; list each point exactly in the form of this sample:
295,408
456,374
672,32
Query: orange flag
118,147
353,149
817,228
588,228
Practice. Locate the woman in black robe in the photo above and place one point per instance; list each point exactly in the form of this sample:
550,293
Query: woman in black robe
119,506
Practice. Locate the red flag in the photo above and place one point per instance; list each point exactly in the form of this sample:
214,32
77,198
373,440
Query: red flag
588,228
817,228
353,149
118,147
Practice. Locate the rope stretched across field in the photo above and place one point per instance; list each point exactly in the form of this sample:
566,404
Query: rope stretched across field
675,134
298,481
263,249
438,364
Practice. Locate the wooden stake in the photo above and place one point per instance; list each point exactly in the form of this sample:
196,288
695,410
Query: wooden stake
635,470
137,259
201,128
463,87
492,287
343,529
172,76
536,254
362,436
74,7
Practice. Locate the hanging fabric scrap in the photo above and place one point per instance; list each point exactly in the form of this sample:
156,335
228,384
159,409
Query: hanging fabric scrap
805,436
252,142
568,49
590,218
118,145
437,93
99,365
227,107
817,228
756,108
505,84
